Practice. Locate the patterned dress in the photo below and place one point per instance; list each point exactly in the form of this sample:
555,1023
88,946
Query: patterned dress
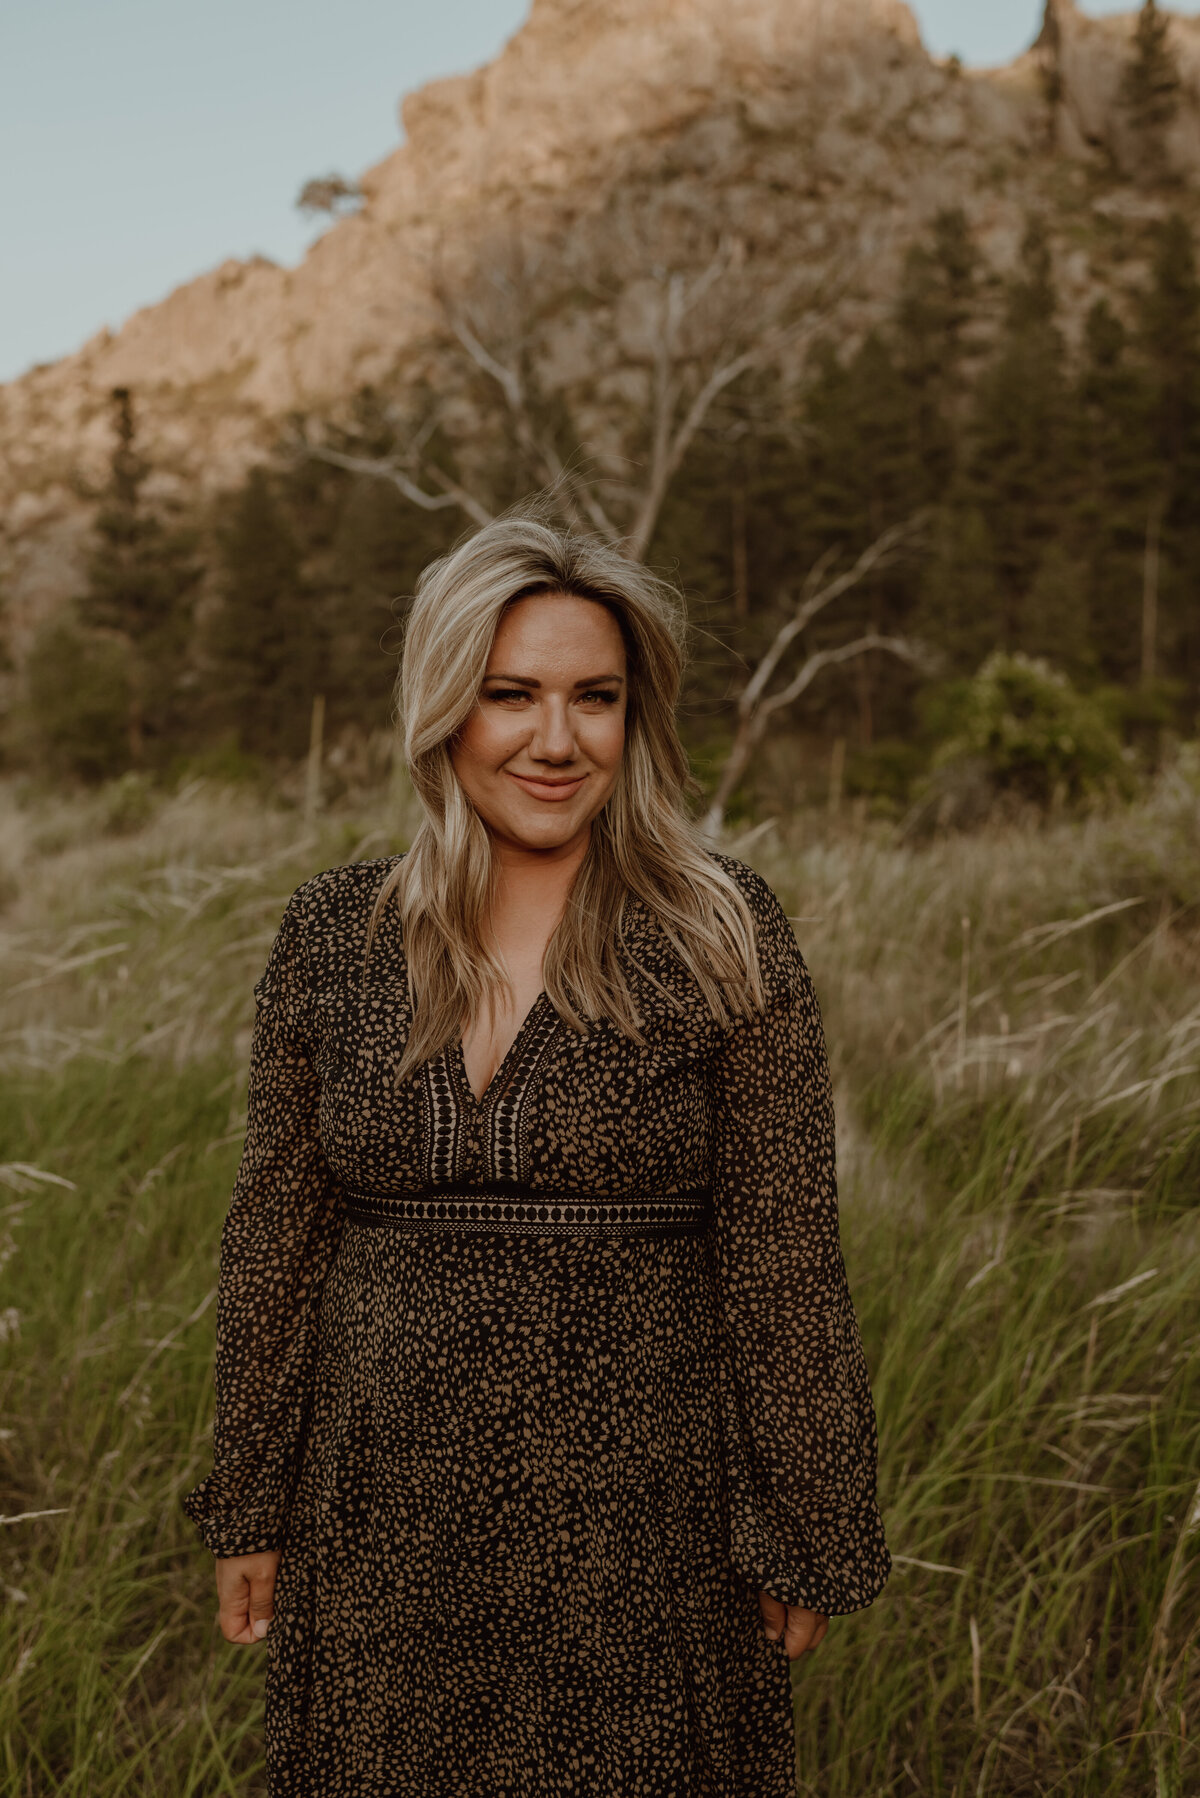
536,1392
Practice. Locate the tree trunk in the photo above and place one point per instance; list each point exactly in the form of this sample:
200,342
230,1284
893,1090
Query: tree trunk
866,718
837,771
741,753
135,730
741,574
312,773
1150,593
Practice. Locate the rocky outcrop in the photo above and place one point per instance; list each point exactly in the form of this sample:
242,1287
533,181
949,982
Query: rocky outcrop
1082,61
803,117
560,107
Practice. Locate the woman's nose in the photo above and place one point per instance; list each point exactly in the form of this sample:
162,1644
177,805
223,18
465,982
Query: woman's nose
553,738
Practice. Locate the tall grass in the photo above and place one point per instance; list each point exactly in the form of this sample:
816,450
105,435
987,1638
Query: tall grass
113,1682
1019,1113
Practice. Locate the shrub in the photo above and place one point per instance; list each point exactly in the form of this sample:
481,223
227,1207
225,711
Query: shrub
1034,734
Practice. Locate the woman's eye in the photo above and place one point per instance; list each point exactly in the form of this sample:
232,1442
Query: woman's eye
506,693
601,695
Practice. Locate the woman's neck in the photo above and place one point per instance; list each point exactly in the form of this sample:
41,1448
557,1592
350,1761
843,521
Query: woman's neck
531,893
532,885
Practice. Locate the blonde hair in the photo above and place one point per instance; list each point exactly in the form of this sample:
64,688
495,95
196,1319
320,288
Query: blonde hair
643,844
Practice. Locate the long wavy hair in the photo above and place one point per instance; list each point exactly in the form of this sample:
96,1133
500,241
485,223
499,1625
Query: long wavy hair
643,844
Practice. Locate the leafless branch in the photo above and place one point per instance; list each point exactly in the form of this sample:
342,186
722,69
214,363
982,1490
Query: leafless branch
757,705
817,593
576,494
670,442
700,329
671,435
904,648
388,468
707,327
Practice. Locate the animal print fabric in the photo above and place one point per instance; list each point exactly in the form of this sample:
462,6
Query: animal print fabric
527,1485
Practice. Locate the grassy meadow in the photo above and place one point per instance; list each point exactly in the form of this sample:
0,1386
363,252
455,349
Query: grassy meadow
1014,1022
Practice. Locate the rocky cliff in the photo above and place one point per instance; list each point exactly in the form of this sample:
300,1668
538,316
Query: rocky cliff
803,114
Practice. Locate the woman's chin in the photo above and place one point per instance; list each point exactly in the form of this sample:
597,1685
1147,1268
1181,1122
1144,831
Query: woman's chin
540,832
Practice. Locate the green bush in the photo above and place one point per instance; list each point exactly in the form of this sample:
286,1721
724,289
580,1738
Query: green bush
1034,734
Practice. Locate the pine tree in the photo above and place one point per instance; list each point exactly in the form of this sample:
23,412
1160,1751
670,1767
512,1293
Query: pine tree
377,549
1020,465
863,471
78,689
1032,299
935,306
958,608
141,581
1055,622
1117,481
265,643
938,289
727,531
1170,335
863,468
1150,89
1171,338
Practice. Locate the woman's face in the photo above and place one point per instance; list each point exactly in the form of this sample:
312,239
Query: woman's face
539,755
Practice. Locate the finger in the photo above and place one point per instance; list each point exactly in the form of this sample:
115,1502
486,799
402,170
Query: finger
801,1632
774,1616
233,1609
261,1605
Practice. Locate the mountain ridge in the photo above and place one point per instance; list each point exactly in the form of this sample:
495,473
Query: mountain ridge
870,122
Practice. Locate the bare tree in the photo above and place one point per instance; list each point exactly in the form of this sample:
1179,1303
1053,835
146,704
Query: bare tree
605,427
679,333
758,704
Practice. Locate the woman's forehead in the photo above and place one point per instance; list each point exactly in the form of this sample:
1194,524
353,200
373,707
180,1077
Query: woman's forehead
557,628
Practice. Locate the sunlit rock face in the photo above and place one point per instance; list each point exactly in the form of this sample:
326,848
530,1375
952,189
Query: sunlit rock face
1085,59
803,119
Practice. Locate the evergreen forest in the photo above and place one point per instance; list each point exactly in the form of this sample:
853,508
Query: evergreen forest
1039,474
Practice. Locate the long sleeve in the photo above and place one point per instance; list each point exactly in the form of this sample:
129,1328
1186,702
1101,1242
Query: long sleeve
277,1245
800,1423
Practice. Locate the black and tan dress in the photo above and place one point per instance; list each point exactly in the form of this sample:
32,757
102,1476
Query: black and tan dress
536,1392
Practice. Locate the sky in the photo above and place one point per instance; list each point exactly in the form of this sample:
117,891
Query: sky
148,140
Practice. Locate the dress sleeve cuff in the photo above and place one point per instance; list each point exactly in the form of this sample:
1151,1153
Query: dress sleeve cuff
235,1533
800,1573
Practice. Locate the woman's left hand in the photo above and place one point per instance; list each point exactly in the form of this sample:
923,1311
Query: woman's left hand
801,1630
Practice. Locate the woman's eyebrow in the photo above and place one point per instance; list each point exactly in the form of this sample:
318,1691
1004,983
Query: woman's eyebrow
525,680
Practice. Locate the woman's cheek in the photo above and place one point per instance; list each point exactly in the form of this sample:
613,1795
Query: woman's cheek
605,743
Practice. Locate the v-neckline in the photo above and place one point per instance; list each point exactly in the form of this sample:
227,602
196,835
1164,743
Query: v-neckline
496,1085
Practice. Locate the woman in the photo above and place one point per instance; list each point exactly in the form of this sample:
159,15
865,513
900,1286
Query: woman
543,1435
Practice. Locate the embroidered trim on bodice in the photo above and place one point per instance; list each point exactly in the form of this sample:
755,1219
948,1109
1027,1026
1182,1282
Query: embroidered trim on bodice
516,1210
482,1140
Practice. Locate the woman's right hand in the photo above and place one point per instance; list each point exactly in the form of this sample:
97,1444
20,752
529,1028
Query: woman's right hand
246,1595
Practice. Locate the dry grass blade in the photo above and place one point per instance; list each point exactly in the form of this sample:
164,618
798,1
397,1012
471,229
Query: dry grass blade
20,1176
1043,935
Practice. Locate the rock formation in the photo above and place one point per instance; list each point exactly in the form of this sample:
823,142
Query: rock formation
1083,60
826,109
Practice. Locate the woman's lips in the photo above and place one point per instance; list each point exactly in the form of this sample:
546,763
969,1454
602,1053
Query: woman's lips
551,790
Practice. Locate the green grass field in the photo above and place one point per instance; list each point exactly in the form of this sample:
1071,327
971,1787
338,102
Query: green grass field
1014,1022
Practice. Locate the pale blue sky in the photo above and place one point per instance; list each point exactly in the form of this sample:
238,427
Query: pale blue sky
147,140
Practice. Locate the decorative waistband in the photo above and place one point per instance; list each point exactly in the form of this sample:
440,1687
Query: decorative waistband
510,1209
